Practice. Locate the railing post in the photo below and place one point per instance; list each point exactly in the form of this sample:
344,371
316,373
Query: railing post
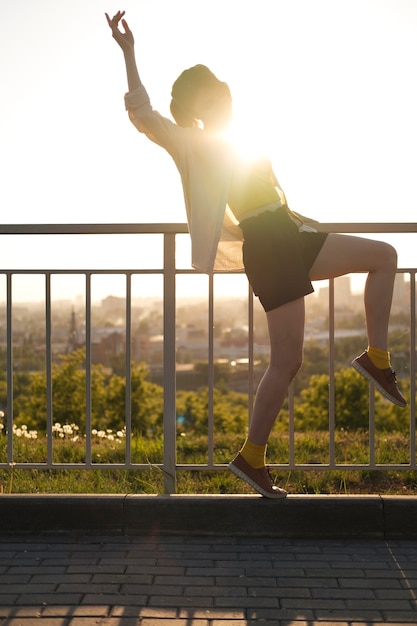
88,402
48,370
128,372
170,429
332,407
210,379
9,374
412,367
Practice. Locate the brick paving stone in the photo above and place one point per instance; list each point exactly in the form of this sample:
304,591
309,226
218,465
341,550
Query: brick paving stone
214,613
48,598
146,611
21,611
83,611
34,621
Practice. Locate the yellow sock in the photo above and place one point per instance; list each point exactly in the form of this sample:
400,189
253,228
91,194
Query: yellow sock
253,454
380,358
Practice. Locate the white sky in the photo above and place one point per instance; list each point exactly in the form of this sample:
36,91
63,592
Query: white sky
329,86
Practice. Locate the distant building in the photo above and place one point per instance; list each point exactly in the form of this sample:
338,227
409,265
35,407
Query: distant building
401,299
342,293
108,347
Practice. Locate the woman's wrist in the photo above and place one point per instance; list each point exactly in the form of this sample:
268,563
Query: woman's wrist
129,53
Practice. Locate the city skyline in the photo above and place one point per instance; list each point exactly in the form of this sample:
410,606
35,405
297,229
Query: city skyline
348,288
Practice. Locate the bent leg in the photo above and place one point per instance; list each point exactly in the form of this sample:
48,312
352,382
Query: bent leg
286,333
344,254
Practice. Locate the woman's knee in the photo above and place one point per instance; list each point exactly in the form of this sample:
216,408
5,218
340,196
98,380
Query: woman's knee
287,363
296,366
388,257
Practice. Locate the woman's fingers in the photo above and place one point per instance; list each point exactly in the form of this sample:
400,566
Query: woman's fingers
114,21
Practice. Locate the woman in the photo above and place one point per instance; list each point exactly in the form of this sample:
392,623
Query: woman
230,201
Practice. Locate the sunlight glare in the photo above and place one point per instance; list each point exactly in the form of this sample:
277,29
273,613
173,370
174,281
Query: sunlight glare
248,138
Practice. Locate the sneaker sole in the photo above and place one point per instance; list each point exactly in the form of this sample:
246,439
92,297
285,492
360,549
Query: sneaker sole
380,388
255,485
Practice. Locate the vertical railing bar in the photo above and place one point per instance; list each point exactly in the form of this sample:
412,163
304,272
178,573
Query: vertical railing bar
412,368
128,376
251,336
291,426
210,381
48,366
88,424
170,448
332,407
371,426
9,369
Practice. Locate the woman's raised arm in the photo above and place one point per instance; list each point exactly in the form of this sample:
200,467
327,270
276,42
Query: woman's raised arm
127,43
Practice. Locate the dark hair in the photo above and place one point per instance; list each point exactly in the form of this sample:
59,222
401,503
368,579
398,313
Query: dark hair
184,91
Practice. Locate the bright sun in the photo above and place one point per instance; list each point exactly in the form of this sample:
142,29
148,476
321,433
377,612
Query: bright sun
248,138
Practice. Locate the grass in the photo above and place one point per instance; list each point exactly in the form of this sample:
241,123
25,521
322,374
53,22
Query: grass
309,447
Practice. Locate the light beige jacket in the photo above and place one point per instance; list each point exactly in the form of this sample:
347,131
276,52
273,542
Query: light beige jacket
205,163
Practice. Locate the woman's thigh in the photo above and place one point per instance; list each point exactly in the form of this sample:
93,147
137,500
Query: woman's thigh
343,254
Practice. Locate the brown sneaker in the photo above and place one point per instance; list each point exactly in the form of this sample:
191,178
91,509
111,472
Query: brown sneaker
384,380
259,479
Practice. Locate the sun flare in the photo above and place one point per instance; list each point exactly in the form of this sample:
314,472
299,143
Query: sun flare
248,139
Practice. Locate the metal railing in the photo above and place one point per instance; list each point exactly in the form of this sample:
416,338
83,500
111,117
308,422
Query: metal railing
169,272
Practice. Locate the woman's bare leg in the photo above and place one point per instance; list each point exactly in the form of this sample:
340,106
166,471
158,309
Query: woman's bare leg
286,333
340,255
344,254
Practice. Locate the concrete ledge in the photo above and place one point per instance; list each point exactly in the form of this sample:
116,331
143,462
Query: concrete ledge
400,517
298,516
48,513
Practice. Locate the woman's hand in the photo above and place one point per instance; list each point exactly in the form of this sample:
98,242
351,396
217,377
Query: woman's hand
125,40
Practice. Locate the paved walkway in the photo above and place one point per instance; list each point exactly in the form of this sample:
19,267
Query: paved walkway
203,581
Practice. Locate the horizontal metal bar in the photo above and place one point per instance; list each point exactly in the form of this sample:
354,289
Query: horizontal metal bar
182,228
91,229
307,466
367,227
211,468
80,466
122,272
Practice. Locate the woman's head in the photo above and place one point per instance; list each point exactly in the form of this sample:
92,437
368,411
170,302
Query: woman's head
198,95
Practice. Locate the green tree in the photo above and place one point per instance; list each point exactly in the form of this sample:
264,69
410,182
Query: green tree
351,405
351,393
146,402
221,371
230,411
68,393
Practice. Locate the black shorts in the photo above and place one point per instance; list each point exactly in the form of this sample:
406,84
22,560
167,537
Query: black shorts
278,257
